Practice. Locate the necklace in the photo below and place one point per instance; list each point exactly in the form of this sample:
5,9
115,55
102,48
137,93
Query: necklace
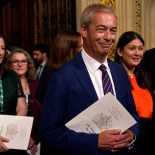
26,90
27,93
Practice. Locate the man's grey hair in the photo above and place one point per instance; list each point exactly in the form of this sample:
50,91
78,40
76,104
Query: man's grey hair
88,13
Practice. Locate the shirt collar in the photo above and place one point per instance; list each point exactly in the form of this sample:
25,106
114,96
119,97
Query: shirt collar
91,63
43,63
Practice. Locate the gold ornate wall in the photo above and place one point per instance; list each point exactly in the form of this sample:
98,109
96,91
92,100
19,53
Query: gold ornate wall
138,15
135,19
110,3
148,22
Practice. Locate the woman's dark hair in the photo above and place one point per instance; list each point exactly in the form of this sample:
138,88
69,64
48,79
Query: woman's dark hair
3,66
124,39
140,73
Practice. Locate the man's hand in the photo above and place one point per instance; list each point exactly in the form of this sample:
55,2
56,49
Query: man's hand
114,140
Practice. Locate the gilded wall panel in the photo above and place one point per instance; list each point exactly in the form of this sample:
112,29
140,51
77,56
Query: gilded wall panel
110,3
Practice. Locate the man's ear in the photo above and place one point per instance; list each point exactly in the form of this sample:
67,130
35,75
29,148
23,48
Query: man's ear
44,55
83,31
119,52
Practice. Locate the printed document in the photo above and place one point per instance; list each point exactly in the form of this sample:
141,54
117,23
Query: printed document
17,129
105,114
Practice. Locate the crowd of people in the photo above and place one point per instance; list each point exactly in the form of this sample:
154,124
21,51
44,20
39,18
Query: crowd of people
55,86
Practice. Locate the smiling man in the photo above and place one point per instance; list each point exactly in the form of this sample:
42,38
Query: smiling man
78,84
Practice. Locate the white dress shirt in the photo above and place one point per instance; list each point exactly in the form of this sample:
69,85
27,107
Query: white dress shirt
40,69
96,74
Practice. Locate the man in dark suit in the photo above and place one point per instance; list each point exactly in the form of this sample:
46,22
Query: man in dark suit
78,84
40,54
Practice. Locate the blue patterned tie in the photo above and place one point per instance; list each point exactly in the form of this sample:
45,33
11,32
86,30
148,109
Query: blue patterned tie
107,85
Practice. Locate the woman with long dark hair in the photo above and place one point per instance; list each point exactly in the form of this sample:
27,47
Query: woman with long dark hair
129,53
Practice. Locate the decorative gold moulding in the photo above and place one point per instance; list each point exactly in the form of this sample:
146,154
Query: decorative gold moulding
110,3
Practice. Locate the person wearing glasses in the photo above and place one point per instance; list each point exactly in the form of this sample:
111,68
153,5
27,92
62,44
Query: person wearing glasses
22,63
12,98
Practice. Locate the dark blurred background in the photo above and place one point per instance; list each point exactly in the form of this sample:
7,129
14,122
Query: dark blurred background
26,22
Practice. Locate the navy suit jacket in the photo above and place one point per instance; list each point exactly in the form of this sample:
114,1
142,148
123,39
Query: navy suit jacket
70,91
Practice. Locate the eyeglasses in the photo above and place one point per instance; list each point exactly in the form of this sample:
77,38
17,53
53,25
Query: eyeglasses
17,62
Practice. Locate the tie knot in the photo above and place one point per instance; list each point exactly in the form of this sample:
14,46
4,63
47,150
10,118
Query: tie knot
102,67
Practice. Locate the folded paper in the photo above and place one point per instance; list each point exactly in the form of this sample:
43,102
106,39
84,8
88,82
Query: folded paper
17,129
105,114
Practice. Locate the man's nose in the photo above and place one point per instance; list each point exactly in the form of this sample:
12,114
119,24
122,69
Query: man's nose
107,35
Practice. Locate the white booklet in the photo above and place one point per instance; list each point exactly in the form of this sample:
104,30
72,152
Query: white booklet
105,114
17,129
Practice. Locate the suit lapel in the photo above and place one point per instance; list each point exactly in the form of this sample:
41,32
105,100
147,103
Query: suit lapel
84,78
116,80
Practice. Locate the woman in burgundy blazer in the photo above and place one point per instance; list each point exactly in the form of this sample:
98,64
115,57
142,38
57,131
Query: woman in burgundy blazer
22,63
